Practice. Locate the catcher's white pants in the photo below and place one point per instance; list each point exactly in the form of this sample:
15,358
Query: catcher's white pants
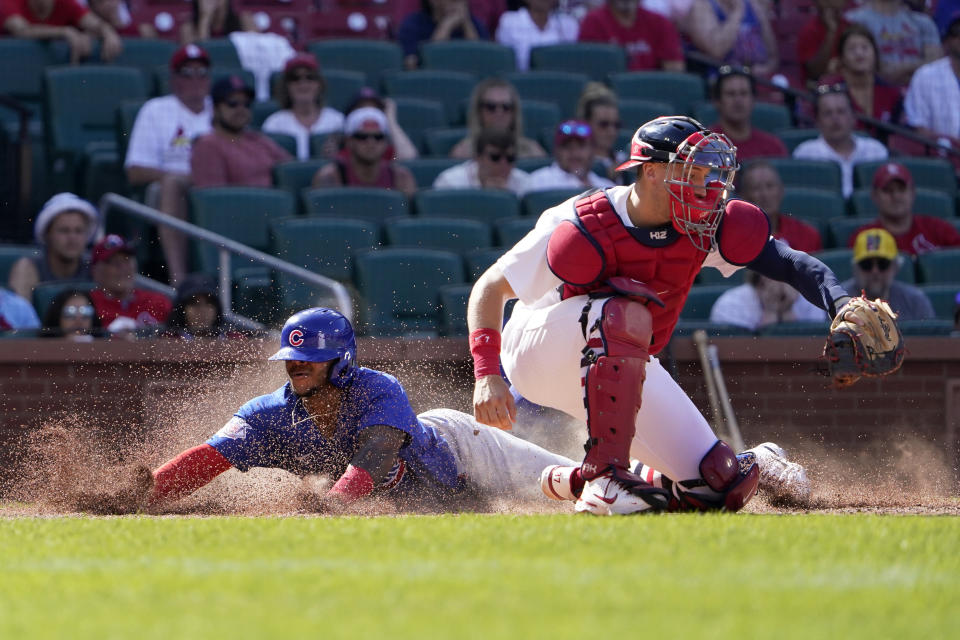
541,353
496,462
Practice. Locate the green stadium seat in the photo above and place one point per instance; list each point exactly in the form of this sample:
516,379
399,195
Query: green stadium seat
939,267
263,110
819,174
766,117
221,51
400,289
839,260
480,260
126,116
318,142
483,205
943,297
935,327
700,300
145,54
371,57
256,297
511,230
841,230
559,87
342,87
793,137
930,173
686,328
355,202
635,112
593,59
9,254
529,165
479,58
43,294
453,309
449,234
537,116
681,90
297,175
23,63
928,202
711,276
285,141
102,172
812,204
416,116
426,170
534,203
796,329
446,87
439,142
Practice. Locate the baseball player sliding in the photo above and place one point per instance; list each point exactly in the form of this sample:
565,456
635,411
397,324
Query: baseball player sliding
601,281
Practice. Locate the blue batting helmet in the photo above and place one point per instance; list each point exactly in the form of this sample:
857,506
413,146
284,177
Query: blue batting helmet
320,335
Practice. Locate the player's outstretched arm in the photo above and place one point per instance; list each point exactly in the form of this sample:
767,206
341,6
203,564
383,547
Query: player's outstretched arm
492,402
186,473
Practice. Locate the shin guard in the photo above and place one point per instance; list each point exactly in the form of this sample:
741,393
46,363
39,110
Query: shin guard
727,481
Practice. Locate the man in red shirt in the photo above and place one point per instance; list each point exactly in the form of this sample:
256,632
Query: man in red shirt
113,267
893,194
651,41
761,184
56,19
232,154
733,95
819,37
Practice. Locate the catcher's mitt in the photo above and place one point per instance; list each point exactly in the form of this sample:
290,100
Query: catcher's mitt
864,340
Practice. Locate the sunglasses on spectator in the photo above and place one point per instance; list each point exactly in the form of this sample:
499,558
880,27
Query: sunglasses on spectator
233,104
193,72
298,77
498,156
872,263
77,311
732,70
573,129
379,137
492,107
826,89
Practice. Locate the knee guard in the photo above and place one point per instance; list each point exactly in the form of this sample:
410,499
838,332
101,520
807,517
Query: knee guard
614,385
727,481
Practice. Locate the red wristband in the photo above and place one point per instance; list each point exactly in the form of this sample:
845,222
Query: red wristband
485,349
354,484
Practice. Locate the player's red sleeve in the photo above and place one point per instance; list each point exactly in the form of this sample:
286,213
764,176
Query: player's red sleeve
187,472
354,484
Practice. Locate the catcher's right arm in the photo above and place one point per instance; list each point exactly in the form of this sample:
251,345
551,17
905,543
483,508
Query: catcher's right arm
864,340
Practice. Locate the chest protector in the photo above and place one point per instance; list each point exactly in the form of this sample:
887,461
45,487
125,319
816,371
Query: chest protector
597,246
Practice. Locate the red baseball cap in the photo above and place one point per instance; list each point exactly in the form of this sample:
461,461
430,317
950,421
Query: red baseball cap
889,172
188,53
302,61
110,246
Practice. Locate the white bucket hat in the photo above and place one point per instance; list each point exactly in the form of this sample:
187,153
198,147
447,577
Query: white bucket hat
61,203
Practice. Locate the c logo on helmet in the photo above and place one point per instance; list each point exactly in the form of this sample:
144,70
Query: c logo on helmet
296,338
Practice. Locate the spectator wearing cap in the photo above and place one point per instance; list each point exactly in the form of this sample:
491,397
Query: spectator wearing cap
67,20
64,228
907,39
651,41
494,166
876,262
16,313
114,267
161,141
932,104
232,154
535,24
760,184
836,142
893,194
401,148
366,136
214,19
301,95
495,104
437,20
572,161
734,92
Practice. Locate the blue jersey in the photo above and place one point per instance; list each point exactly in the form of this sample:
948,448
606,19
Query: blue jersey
276,431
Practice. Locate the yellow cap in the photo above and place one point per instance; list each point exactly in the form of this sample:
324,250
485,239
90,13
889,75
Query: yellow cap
874,243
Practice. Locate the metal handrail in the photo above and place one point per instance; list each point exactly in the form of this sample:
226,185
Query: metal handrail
225,247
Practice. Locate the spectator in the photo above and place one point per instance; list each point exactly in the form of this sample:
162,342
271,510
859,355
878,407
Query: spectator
214,19
60,19
71,315
197,312
735,32
836,142
893,193
64,228
907,39
16,313
651,41
875,266
367,135
734,90
857,68
301,95
493,168
598,107
401,147
114,267
232,154
437,20
116,13
161,142
819,39
933,99
761,184
495,104
573,159
956,317
536,24
762,302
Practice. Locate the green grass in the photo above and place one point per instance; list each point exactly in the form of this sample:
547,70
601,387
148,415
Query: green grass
476,576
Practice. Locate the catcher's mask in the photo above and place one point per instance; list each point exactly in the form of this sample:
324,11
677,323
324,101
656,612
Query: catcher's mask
701,166
320,335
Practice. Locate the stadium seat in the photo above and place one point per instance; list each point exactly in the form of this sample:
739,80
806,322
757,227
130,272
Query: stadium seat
370,57
529,165
682,90
453,309
286,142
480,58
930,173
940,267
44,293
297,175
935,327
793,137
23,64
559,87
416,116
102,172
239,213
145,54
126,116
221,51
928,202
536,202
449,234
355,202
842,229
819,174
635,112
263,110
400,288
426,170
711,276
439,142
323,246
511,230
766,117
342,87
537,116
943,297
484,205
700,300
446,87
686,328
812,204
318,142
839,260
799,328
480,260
9,254
593,59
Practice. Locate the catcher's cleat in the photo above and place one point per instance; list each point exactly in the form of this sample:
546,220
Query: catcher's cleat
620,492
782,479
561,483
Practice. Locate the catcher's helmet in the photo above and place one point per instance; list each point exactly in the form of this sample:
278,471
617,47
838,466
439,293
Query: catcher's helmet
685,144
320,335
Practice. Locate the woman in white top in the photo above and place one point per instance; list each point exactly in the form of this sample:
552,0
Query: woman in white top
303,114
536,24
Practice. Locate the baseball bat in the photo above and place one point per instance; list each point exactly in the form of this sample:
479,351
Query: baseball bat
731,419
700,340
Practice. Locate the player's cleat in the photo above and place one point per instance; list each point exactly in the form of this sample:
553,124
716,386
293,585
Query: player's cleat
782,479
557,483
620,493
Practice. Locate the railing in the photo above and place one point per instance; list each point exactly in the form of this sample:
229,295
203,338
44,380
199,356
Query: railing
225,247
